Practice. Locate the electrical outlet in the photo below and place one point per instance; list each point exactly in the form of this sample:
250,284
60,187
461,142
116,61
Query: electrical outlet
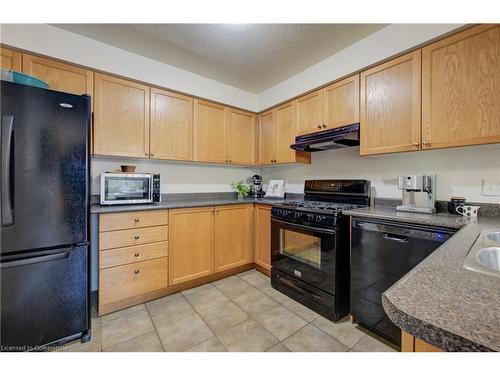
491,187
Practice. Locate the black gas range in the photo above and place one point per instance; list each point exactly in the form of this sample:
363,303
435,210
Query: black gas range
310,244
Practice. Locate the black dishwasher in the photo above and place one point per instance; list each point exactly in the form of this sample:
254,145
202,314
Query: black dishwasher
381,253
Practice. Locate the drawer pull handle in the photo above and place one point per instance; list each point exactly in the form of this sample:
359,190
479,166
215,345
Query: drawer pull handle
136,219
136,237
136,255
136,272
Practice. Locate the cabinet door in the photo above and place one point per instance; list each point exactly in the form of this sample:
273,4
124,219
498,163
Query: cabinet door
233,236
286,130
10,59
171,125
241,137
341,103
310,112
210,132
121,117
263,236
191,244
390,106
461,89
267,138
59,76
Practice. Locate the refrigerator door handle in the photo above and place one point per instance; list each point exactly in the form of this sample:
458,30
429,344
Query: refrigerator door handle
7,133
38,259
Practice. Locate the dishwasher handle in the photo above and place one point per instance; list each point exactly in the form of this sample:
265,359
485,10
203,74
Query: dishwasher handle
395,237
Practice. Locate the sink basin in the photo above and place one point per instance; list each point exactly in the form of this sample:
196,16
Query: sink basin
489,257
493,237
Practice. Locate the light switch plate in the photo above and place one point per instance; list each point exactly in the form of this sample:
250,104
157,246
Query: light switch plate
491,187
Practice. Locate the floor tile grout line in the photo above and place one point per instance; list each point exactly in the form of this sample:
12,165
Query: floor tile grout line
336,339
204,322
154,326
145,308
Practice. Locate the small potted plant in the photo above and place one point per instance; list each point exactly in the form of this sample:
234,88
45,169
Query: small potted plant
241,189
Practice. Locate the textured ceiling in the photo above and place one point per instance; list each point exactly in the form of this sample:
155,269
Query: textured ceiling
252,57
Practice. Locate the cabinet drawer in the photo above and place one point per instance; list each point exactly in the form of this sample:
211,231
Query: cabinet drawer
129,220
131,237
132,254
131,280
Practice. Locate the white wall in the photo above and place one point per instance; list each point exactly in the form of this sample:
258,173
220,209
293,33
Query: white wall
459,171
177,177
387,42
52,41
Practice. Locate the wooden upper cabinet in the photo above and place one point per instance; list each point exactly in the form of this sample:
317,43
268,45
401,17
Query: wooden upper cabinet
233,236
121,117
210,137
341,103
240,137
461,89
10,59
390,106
191,244
171,125
267,138
310,112
286,130
59,76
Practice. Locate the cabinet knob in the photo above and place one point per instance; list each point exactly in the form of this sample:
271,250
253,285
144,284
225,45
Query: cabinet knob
324,125
136,272
136,255
136,219
230,161
136,237
319,126
152,154
415,144
425,142
146,154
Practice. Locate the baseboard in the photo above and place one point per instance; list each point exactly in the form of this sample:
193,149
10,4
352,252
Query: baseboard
122,304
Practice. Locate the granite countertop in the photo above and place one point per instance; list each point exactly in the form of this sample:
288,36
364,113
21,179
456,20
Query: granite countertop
439,301
189,200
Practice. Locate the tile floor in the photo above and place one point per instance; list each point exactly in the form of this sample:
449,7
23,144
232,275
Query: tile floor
239,313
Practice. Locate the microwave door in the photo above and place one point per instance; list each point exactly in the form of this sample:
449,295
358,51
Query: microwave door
126,188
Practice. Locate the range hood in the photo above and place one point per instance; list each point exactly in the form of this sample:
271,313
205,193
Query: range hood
346,136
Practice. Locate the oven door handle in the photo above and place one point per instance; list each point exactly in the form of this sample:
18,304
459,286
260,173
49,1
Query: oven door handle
301,226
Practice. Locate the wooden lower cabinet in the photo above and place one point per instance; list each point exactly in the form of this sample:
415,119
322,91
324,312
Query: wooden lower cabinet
132,237
191,234
132,254
125,281
187,247
410,343
263,236
233,236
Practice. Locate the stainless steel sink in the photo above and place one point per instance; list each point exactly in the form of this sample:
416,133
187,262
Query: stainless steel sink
492,237
484,256
489,257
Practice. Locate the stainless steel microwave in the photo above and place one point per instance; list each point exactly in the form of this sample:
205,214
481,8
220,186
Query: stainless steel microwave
130,188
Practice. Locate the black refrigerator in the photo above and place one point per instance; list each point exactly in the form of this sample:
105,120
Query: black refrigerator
45,243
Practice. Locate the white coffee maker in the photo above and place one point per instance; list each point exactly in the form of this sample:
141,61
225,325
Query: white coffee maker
418,193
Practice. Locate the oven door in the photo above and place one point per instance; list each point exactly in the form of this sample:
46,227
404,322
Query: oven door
305,252
121,188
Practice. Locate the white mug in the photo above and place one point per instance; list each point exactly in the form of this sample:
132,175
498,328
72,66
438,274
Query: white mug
469,211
